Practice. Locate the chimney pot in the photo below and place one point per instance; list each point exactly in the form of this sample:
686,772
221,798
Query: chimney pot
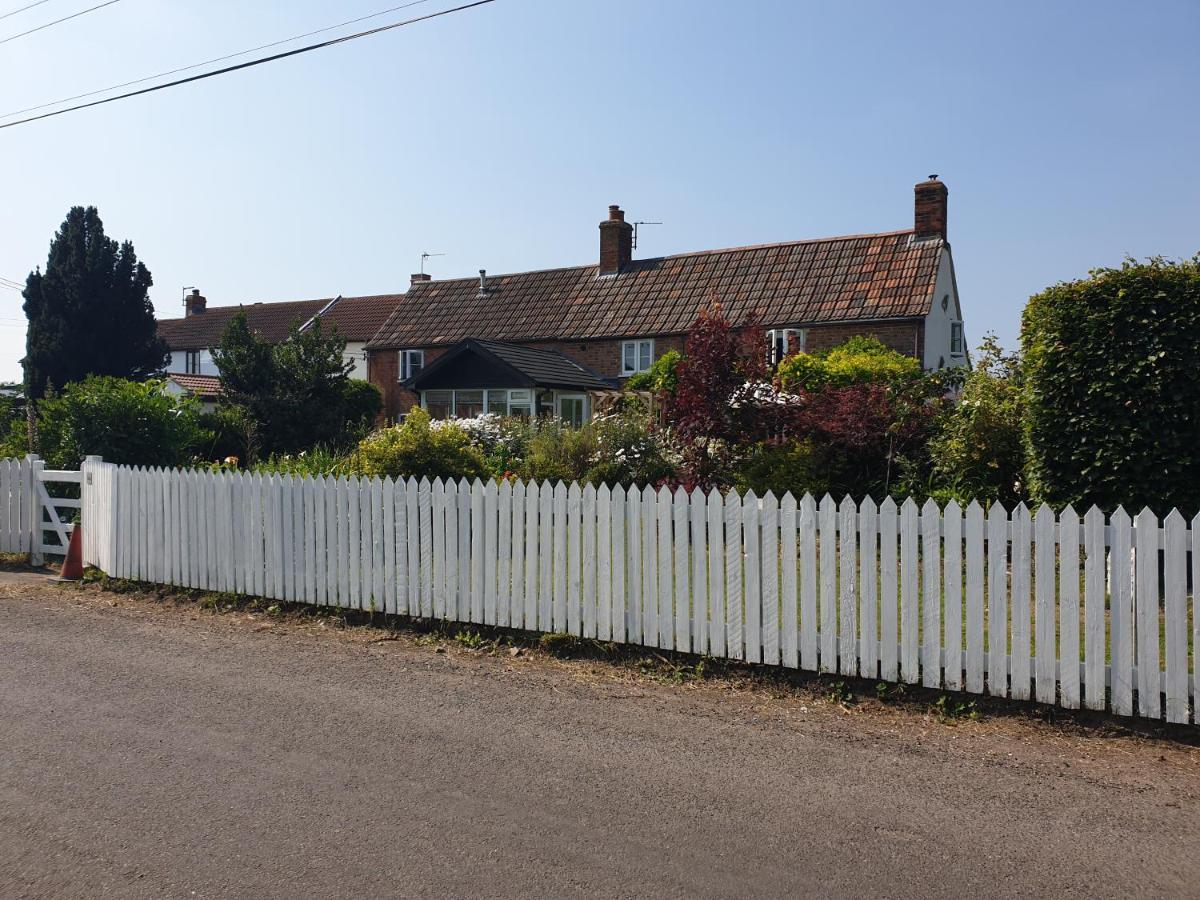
616,242
929,211
194,304
421,276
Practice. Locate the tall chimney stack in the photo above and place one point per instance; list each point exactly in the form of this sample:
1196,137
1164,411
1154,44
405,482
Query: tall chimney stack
193,304
929,219
616,242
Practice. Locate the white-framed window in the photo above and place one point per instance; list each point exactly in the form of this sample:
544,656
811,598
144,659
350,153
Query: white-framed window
468,403
411,362
191,363
782,342
956,338
572,409
636,356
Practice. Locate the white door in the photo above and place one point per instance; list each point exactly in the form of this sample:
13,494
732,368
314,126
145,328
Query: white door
572,409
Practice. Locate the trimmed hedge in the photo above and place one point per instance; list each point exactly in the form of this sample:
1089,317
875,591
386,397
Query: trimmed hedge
1112,381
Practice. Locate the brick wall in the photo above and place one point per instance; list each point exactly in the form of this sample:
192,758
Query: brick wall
604,357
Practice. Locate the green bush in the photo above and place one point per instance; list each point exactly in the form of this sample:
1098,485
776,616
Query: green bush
558,452
662,376
420,448
627,451
800,467
860,360
364,402
128,422
1112,388
977,451
311,463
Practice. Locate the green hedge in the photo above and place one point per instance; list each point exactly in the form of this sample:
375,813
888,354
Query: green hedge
1112,381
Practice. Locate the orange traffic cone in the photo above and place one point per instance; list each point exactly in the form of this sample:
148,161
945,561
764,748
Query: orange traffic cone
72,567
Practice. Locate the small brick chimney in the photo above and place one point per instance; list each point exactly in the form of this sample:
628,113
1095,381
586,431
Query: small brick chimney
929,219
616,242
421,276
193,304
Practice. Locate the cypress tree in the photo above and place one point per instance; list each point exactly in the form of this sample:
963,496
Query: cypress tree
89,313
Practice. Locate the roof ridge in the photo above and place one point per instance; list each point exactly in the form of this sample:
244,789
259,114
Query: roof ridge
742,249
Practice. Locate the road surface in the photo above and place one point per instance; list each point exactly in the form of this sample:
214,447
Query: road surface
167,752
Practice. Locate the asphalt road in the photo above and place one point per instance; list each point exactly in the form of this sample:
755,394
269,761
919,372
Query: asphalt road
152,754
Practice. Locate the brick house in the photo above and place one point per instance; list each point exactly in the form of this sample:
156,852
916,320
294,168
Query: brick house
611,319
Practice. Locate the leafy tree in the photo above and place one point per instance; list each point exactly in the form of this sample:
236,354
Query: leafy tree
662,376
89,313
294,395
129,422
859,360
978,450
1112,388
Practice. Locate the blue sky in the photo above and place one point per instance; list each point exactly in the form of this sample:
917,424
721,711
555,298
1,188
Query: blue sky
1066,132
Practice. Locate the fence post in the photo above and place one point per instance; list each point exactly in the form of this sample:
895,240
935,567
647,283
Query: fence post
88,520
36,558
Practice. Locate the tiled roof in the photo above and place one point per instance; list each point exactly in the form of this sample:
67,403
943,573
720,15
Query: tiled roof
862,277
507,364
271,321
356,318
199,385
359,318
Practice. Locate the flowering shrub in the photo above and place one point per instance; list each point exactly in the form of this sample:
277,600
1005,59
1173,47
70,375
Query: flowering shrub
860,360
418,448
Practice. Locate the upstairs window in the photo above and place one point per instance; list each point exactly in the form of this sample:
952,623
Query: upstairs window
411,362
783,342
956,339
636,356
191,363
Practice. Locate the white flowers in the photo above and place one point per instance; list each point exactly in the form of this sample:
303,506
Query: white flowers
761,393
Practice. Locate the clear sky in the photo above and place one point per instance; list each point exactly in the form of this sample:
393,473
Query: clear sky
1066,131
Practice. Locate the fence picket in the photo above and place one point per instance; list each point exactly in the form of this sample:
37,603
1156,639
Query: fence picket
848,587
910,621
532,566
443,602
377,572
559,535
462,519
889,633
789,619
574,561
952,621
931,595
683,592
1121,612
828,583
634,565
666,624
546,560
618,616
734,648
974,599
502,553
488,565
1068,603
602,576
1020,674
715,510
400,512
997,600
521,539
649,530
752,587
1045,626
769,528
478,528
451,543
389,547
1095,589
1146,614
1175,622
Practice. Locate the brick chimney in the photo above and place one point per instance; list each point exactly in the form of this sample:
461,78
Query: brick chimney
193,304
421,276
616,242
929,219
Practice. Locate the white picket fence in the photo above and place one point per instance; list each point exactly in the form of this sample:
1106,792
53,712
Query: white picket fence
16,505
1031,606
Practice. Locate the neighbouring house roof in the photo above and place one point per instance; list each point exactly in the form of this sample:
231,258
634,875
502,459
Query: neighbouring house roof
856,278
491,364
356,318
202,386
270,321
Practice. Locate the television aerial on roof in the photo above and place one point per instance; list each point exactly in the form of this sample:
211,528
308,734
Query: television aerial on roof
425,254
635,231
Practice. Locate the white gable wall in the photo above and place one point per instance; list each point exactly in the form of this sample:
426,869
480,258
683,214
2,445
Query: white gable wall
938,322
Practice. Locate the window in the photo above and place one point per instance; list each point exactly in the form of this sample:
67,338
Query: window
956,339
191,363
411,362
783,341
520,403
468,404
497,402
636,356
439,404
572,409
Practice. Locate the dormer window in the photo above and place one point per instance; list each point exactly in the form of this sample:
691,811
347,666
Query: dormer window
783,342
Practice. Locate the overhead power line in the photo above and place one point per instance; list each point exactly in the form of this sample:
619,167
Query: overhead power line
23,8
13,37
209,62
246,65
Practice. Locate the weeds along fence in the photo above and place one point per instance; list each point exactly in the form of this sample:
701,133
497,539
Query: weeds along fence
1089,611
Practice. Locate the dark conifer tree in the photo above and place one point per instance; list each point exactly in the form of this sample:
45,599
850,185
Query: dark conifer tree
89,313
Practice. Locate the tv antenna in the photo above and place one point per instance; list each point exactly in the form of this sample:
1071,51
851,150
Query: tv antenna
635,231
425,254
190,287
